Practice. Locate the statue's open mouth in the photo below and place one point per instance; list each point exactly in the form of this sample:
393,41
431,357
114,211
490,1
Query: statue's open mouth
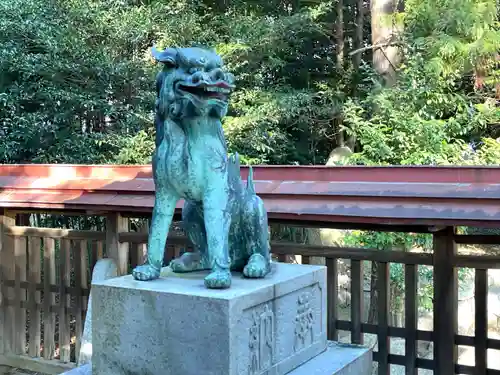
219,90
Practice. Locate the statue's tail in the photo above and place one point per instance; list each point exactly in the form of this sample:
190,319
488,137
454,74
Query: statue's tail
234,174
234,169
250,185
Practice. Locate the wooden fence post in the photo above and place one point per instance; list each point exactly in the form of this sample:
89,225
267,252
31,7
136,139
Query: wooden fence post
356,301
445,302
118,251
481,320
49,298
411,319
20,254
7,219
332,299
384,341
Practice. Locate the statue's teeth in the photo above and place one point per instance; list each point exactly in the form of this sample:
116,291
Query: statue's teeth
216,89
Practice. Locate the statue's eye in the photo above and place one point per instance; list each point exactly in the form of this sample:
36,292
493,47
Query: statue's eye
170,63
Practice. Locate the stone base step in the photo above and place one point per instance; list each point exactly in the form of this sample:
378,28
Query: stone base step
337,359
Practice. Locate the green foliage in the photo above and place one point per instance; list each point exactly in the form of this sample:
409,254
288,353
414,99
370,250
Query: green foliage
456,35
389,240
433,114
423,119
65,95
77,83
137,149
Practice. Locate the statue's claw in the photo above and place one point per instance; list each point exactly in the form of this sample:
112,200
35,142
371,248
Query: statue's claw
187,262
220,279
146,272
257,267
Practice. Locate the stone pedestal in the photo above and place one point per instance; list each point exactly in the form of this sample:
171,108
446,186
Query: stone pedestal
175,326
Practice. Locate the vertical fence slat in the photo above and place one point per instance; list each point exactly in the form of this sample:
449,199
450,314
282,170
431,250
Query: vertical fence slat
35,277
92,255
383,318
116,250
96,253
134,255
79,260
85,272
411,319
7,314
20,294
49,279
3,295
481,319
356,301
64,327
142,248
178,250
169,253
332,298
282,258
445,302
100,250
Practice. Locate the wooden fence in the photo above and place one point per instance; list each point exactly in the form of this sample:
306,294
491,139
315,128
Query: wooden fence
44,286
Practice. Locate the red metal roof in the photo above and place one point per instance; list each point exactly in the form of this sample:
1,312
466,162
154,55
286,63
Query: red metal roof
380,195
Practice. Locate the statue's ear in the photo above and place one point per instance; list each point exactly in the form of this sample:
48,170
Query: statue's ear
167,56
198,45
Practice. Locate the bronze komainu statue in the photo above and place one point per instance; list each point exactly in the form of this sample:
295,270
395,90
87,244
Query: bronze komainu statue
225,220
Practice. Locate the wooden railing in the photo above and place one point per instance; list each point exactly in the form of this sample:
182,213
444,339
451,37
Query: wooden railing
45,273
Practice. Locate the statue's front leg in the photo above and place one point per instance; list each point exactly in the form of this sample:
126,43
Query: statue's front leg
217,222
163,212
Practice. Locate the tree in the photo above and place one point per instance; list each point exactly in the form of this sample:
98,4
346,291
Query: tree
387,25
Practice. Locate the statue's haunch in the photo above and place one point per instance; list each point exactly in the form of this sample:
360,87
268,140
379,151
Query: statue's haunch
224,219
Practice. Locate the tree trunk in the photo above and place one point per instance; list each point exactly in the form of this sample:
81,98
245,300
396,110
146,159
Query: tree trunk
356,59
339,62
339,36
387,24
358,37
325,236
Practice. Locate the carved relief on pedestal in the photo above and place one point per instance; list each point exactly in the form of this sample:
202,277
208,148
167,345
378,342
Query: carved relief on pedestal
261,342
304,321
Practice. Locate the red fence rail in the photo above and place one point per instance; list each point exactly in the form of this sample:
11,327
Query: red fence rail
359,195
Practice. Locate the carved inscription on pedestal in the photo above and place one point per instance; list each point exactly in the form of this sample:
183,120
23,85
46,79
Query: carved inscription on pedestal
261,342
304,321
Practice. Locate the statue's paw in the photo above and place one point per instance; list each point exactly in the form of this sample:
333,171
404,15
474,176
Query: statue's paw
257,267
178,265
220,279
187,262
146,272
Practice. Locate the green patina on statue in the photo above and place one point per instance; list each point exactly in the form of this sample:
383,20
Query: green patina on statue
225,220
